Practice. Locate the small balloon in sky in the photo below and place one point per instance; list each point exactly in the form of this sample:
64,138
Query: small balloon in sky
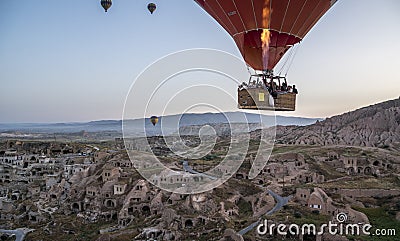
106,4
152,7
154,120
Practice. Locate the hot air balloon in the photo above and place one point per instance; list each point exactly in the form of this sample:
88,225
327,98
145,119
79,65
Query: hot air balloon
106,4
154,120
152,7
264,30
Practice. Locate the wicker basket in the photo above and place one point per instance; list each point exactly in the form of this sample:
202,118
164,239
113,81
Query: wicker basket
259,98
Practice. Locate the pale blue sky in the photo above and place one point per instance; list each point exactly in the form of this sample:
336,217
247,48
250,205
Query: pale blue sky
69,61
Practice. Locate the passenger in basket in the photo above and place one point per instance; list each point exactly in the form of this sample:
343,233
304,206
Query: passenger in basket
295,90
284,86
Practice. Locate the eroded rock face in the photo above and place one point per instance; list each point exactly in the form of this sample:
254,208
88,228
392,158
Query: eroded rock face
356,216
168,217
375,126
197,201
230,234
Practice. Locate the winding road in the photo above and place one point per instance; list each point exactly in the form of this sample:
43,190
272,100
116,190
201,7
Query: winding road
187,168
280,202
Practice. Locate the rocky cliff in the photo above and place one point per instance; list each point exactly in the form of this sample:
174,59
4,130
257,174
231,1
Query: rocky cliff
376,125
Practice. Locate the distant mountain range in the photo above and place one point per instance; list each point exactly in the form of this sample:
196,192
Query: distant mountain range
375,126
169,123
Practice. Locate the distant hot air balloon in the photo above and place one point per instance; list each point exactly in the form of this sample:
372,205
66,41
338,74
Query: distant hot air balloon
154,120
265,29
151,7
106,4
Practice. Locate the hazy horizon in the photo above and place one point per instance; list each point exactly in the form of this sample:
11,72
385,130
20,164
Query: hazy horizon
280,114
148,117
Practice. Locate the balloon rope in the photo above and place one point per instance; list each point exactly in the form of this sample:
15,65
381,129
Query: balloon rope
294,56
286,60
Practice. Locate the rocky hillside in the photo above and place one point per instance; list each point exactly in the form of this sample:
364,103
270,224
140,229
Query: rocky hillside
376,125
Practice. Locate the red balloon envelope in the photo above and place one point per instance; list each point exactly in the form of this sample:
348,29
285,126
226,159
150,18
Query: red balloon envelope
265,29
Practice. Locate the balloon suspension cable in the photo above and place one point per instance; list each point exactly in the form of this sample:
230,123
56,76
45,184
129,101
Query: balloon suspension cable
294,56
286,60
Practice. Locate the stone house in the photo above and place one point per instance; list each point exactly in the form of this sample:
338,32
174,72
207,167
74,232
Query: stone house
316,199
110,172
119,189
